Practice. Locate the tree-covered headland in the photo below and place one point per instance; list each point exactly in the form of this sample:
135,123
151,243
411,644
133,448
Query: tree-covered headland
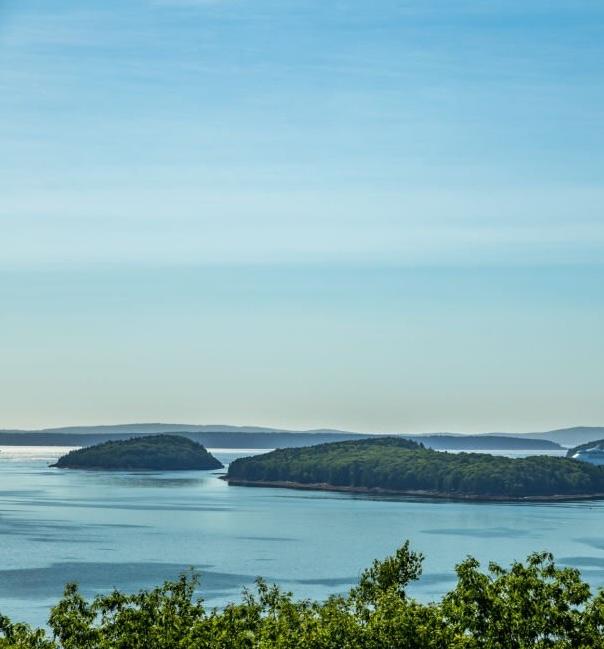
403,466
531,605
596,444
153,452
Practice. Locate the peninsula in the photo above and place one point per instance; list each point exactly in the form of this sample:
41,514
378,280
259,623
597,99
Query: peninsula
398,466
592,452
153,452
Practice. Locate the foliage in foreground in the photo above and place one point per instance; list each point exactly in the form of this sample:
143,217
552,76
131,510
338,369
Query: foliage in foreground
531,605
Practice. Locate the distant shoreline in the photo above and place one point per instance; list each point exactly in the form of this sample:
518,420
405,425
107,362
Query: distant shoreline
435,495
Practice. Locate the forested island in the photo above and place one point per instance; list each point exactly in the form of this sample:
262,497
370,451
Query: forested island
156,452
391,465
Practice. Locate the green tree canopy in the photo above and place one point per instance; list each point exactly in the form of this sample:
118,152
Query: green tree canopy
530,605
150,452
403,466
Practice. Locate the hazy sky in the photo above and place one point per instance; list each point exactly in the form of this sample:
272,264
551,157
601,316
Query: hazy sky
381,216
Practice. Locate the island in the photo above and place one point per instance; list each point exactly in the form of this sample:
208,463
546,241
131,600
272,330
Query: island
153,452
488,442
399,466
592,452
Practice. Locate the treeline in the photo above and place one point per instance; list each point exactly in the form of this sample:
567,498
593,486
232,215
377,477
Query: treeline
404,466
531,605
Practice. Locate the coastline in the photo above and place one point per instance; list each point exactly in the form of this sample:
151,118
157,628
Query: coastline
377,491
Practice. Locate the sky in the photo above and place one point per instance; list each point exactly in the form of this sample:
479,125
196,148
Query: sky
384,217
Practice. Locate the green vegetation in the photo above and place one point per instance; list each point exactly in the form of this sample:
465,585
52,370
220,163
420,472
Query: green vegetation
531,605
403,466
156,452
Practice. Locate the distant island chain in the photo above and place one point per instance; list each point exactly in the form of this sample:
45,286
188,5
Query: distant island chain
388,465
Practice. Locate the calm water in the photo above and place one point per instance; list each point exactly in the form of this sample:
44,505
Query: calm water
133,530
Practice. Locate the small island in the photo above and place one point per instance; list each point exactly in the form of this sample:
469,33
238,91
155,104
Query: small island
152,452
487,443
592,452
398,466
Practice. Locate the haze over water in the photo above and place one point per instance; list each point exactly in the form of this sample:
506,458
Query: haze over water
133,530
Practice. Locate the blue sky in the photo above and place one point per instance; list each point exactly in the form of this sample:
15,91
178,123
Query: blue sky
381,217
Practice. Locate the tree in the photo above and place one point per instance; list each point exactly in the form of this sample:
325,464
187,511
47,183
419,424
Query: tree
531,605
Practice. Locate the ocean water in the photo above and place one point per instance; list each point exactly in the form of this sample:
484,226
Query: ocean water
133,530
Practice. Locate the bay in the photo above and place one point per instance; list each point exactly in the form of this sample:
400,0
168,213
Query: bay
132,530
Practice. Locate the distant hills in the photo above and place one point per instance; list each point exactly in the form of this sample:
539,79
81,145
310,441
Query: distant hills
156,428
208,437
225,436
569,436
